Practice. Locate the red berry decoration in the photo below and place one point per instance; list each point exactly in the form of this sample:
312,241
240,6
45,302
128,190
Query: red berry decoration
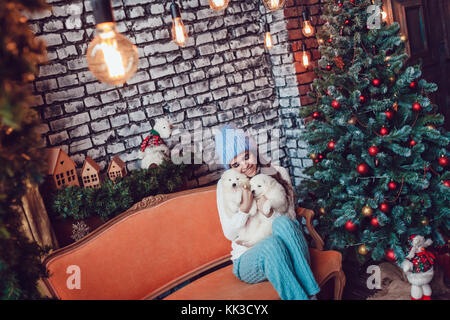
392,185
373,151
446,183
384,207
350,226
416,107
331,145
389,114
413,84
330,40
384,131
374,222
412,143
340,4
376,82
335,104
328,67
320,156
363,168
390,255
347,22
362,99
443,161
316,115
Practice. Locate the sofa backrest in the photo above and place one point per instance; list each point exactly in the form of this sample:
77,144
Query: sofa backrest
158,243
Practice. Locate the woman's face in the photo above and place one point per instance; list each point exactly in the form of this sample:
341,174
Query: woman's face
245,163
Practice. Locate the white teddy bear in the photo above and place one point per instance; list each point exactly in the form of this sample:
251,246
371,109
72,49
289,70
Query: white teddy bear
153,149
418,267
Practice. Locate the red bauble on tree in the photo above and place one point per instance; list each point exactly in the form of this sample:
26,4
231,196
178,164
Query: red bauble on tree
331,145
374,222
316,115
389,114
446,183
362,99
412,143
330,40
384,207
413,84
335,104
363,168
416,107
350,226
376,82
347,22
443,161
328,67
392,185
390,255
373,151
384,131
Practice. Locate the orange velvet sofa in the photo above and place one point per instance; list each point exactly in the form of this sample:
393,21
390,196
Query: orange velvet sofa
160,243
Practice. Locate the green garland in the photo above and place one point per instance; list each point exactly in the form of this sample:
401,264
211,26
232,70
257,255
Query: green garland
113,198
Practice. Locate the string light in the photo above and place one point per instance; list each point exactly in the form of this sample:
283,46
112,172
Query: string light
179,34
305,58
273,5
268,42
308,29
218,5
111,57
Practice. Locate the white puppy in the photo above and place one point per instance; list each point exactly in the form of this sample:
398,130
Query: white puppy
272,190
233,182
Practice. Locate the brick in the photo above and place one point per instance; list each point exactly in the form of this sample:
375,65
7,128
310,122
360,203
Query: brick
65,95
80,131
103,138
69,80
51,39
51,70
58,138
80,145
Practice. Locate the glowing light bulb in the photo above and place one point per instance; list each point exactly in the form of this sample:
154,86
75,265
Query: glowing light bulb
268,41
308,29
179,34
305,58
383,15
273,5
111,57
218,5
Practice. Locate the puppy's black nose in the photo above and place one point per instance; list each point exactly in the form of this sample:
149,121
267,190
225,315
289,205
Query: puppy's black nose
253,192
234,185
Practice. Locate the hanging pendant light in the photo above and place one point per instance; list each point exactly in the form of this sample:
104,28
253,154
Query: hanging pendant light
308,29
273,5
218,5
111,57
268,42
305,58
179,34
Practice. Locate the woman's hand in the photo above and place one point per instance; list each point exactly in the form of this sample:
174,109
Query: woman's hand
247,200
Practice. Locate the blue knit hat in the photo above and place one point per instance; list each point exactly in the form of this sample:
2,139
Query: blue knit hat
231,142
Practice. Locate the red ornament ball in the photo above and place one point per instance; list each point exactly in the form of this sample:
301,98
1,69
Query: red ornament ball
347,22
376,82
374,222
373,151
335,104
316,115
362,99
330,40
412,143
390,255
384,207
416,107
384,131
320,156
446,183
413,84
389,114
392,185
328,67
340,4
443,161
350,226
363,168
331,145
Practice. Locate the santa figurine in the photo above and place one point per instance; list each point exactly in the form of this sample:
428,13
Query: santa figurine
418,267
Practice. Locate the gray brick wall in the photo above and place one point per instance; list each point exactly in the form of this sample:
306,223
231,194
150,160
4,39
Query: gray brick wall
222,75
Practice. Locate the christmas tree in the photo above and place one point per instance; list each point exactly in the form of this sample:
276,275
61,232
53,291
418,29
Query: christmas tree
20,152
380,164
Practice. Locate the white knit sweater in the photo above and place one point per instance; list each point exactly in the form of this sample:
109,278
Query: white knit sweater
231,226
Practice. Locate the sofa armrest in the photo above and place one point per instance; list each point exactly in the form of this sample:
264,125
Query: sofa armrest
308,215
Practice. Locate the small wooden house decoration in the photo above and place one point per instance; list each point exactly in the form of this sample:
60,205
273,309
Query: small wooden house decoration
90,173
116,168
61,168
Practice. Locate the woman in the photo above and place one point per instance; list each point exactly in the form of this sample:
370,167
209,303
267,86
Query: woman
282,258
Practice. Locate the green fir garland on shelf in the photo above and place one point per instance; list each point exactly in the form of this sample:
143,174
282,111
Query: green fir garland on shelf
379,160
113,198
21,155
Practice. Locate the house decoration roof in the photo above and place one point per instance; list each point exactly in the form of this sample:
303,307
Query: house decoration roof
118,161
92,163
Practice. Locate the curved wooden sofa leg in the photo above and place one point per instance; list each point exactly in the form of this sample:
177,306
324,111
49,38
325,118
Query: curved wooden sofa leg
339,283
